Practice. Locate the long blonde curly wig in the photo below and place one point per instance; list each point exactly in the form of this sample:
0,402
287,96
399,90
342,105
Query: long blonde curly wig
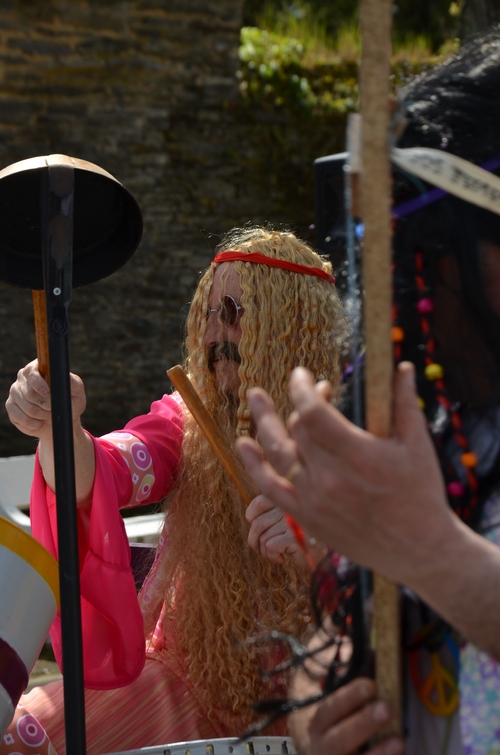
217,591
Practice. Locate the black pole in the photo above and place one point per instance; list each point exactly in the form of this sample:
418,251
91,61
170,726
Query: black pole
57,199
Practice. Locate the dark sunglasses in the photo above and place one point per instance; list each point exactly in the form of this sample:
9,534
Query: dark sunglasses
229,311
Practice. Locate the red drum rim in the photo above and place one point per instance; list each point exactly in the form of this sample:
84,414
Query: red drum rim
26,547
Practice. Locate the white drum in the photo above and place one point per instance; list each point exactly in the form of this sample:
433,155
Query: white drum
253,746
29,600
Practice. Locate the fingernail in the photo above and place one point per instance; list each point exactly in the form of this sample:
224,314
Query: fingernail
43,391
254,399
380,712
393,747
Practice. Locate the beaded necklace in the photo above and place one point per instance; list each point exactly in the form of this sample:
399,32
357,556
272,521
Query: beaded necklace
463,498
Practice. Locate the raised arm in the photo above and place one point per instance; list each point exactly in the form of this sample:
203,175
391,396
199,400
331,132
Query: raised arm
29,409
381,502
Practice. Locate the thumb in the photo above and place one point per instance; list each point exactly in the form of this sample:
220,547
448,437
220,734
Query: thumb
409,420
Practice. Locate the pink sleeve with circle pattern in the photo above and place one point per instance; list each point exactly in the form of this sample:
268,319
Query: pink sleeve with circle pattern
150,447
112,625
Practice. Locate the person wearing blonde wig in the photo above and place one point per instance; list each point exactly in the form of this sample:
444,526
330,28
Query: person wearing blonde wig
266,304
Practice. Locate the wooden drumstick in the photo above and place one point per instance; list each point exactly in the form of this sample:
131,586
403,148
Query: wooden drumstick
41,337
212,433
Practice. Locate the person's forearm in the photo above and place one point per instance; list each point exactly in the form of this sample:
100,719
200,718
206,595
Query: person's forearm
461,582
84,465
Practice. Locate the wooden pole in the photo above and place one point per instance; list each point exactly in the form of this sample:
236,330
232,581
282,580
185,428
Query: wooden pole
375,18
41,336
212,433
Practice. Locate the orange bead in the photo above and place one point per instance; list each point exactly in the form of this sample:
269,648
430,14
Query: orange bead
469,459
398,334
421,402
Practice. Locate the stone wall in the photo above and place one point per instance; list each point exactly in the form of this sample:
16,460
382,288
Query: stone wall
147,89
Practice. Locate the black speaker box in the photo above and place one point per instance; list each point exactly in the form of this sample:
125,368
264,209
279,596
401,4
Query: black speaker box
329,206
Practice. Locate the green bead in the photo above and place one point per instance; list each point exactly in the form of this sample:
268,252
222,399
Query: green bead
434,371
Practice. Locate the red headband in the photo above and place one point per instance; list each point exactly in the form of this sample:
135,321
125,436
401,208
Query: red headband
233,255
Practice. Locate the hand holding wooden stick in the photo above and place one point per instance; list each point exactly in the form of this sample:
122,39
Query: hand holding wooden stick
219,444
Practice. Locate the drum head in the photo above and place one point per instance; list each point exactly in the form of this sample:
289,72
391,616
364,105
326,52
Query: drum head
252,746
107,222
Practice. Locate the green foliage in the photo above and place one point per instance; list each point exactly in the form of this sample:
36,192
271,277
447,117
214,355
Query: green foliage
430,19
436,20
293,105
276,73
280,72
302,21
348,41
331,13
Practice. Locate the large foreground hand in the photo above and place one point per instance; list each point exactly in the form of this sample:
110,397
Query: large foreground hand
381,502
367,497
